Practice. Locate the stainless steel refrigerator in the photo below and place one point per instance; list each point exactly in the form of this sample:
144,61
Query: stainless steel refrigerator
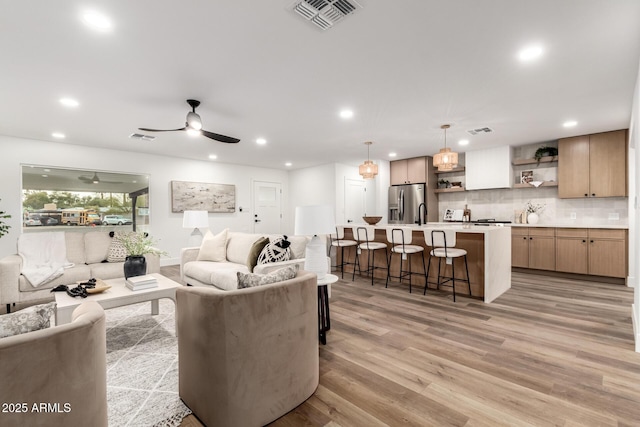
404,201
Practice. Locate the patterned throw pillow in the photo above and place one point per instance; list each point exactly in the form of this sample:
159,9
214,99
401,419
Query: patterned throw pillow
255,251
117,251
277,250
29,319
249,280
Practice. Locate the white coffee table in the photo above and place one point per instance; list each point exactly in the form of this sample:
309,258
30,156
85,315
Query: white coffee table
117,296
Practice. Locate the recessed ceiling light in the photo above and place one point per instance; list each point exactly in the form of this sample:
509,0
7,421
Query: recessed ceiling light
463,142
392,154
47,170
58,135
261,141
346,114
570,123
530,53
288,164
45,176
96,20
213,156
69,102
193,132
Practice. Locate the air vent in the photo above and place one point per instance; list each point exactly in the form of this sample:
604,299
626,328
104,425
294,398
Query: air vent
480,130
324,14
142,137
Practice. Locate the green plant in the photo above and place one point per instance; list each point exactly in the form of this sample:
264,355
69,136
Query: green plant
4,228
545,151
137,244
443,183
534,207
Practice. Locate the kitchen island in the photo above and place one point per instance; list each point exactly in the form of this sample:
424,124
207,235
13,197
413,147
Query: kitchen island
488,255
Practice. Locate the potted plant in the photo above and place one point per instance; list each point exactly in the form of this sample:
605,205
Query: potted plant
4,228
443,183
136,245
533,210
545,151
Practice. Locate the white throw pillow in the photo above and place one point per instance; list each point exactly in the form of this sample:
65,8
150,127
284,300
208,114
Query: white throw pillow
214,248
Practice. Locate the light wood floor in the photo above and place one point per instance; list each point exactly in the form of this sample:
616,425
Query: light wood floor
550,351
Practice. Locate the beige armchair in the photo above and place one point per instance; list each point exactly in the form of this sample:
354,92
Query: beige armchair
248,356
56,376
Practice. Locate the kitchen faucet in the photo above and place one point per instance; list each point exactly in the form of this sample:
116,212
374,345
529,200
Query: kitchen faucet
420,218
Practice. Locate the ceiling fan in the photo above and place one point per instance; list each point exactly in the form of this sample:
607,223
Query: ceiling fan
194,126
95,179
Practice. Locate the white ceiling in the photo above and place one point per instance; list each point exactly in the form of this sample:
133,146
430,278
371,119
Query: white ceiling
405,67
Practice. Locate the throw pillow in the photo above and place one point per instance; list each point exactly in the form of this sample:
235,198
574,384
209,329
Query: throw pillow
214,248
277,250
255,251
117,251
29,319
249,280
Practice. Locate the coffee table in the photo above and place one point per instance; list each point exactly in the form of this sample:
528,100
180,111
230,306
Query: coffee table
117,296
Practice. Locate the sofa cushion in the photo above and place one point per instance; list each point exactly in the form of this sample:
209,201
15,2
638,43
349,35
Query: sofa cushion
96,245
74,241
298,246
254,252
239,245
219,274
213,248
249,280
29,319
107,270
277,250
77,273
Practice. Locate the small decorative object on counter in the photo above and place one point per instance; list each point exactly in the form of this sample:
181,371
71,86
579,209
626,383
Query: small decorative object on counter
518,216
533,210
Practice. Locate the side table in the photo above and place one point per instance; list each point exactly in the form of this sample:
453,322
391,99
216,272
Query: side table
324,319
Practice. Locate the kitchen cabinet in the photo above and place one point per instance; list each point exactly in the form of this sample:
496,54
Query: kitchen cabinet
608,253
533,247
409,171
572,248
593,165
490,168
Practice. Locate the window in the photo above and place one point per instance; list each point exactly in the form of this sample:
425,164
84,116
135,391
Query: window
54,197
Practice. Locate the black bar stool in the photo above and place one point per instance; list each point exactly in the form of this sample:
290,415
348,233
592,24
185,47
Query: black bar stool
400,239
443,247
365,234
338,241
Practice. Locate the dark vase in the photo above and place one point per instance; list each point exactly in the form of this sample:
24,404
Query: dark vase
135,265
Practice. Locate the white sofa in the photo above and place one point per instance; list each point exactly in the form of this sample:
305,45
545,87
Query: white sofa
223,275
86,251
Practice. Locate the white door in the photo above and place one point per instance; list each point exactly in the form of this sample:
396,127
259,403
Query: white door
354,200
267,209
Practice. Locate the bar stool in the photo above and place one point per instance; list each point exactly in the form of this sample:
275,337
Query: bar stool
338,241
365,234
400,239
443,247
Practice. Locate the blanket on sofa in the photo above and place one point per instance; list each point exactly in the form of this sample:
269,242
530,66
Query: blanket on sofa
44,256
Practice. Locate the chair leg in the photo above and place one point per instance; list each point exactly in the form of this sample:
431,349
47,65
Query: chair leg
372,264
356,264
439,264
466,266
410,272
453,277
426,282
386,283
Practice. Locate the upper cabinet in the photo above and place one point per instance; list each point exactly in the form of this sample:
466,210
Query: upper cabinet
409,171
593,165
490,168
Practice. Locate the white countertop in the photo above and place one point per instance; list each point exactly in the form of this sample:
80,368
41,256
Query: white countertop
611,225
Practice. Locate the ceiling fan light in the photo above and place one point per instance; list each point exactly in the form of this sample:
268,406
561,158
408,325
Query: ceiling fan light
193,132
194,121
95,179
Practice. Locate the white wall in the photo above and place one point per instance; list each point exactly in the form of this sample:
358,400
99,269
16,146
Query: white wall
634,211
166,227
312,186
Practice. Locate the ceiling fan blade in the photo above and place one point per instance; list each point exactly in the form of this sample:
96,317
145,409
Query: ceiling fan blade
221,138
161,130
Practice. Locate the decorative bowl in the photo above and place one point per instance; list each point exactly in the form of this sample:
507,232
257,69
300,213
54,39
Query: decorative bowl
372,220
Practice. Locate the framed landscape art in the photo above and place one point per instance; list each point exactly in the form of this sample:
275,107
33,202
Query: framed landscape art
201,196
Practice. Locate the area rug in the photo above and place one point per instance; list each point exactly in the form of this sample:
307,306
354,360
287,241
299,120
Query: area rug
142,367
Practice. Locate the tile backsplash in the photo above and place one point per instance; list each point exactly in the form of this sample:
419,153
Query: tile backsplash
501,204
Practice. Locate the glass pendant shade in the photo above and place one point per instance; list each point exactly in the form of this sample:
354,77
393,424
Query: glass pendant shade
446,159
368,169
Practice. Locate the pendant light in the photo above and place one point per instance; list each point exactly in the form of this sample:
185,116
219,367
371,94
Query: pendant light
368,169
446,159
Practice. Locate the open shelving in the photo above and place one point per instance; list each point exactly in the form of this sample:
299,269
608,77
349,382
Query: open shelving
533,161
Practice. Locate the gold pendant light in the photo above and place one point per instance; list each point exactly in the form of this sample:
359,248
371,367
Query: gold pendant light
368,169
446,159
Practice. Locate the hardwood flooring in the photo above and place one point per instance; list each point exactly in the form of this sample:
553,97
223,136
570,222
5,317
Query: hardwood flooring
549,352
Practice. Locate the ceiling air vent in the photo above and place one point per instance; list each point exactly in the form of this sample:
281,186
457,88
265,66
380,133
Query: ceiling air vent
325,13
480,130
142,137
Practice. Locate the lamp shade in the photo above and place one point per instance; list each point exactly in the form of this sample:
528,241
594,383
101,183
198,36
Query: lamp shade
195,219
312,220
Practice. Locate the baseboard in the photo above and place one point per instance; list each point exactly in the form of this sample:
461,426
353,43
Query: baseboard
636,326
585,277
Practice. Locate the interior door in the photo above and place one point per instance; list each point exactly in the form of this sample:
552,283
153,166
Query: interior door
354,200
267,207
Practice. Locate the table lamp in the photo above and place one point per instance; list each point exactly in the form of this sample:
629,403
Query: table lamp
311,221
195,220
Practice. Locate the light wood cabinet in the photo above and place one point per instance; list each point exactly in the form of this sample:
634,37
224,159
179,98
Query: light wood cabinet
533,248
593,165
572,248
409,171
608,252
